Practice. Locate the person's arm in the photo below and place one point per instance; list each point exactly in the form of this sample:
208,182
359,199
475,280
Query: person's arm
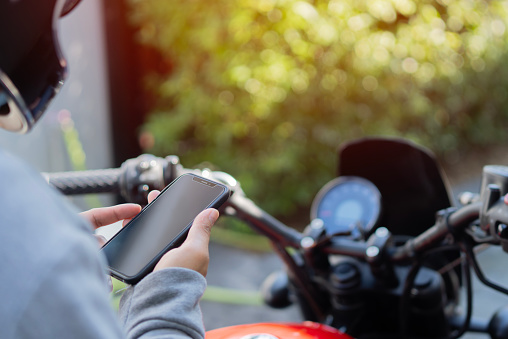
165,304
72,299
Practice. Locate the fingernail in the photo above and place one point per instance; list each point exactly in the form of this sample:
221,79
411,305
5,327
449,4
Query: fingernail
213,215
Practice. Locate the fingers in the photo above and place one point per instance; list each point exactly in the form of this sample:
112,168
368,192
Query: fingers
152,195
103,216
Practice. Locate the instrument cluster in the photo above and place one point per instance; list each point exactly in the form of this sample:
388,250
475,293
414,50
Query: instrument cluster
348,204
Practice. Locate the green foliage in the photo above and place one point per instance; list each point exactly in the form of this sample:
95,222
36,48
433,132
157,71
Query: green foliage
267,89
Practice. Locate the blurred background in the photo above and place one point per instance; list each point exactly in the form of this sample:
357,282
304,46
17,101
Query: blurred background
267,90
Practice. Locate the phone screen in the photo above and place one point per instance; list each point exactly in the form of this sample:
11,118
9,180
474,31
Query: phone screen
159,223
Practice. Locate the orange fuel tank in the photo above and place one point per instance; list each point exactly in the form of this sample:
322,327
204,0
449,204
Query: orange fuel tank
305,330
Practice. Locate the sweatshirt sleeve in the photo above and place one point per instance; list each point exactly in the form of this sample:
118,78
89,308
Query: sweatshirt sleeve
165,304
70,299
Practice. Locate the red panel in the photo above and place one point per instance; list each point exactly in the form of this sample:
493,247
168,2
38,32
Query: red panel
305,330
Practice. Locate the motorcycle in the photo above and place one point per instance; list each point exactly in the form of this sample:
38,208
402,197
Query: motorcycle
386,254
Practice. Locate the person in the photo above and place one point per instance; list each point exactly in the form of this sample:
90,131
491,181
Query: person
52,275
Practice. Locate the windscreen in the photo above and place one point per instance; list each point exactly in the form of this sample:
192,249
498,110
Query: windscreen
408,176
159,223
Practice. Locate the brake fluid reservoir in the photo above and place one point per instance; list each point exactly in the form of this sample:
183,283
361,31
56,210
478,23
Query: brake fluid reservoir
494,175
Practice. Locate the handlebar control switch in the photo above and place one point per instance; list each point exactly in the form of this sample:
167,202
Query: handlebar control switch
494,211
140,176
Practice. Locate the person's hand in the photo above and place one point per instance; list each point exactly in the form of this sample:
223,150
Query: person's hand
193,253
104,216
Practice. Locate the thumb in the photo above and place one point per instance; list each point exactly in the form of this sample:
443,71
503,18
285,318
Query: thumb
199,233
193,253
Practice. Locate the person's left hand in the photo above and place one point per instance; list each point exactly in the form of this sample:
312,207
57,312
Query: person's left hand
104,216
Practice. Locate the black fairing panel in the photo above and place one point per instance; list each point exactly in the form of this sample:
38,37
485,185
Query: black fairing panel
408,176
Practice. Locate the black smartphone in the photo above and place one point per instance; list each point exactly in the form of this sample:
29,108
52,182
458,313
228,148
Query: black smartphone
163,224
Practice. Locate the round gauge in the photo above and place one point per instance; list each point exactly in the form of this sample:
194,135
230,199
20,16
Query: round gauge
348,204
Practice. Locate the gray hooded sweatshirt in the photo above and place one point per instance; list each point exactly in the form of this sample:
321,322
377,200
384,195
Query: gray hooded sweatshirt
52,276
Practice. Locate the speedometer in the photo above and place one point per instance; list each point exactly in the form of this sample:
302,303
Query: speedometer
348,204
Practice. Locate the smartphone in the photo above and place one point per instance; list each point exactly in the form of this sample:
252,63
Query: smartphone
163,224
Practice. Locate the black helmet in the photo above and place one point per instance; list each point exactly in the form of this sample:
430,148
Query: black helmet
32,68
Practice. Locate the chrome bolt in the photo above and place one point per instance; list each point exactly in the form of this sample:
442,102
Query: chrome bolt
372,251
307,242
317,224
382,232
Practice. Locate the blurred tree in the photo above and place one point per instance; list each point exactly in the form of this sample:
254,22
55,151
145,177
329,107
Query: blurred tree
267,89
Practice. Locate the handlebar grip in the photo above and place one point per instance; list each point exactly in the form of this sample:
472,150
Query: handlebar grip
85,182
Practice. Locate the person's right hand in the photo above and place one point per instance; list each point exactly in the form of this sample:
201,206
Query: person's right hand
193,253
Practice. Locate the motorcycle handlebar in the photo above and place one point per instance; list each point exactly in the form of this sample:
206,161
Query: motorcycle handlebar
138,176
451,223
246,210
